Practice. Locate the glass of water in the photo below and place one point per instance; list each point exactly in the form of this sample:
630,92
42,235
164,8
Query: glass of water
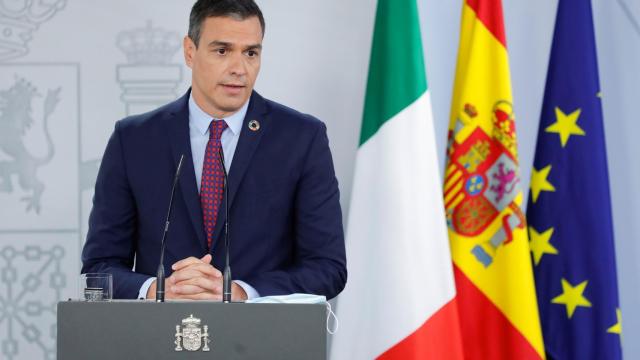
96,287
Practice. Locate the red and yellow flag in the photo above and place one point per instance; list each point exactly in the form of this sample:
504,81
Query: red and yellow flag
483,197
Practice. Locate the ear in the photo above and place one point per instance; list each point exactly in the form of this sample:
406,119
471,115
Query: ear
189,51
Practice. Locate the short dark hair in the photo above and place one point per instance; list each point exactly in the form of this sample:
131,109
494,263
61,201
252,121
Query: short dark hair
237,9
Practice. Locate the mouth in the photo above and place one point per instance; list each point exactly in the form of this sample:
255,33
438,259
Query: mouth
233,89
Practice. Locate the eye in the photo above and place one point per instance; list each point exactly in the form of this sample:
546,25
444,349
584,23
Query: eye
252,53
221,51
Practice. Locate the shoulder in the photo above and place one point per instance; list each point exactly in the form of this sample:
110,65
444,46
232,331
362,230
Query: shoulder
151,119
285,117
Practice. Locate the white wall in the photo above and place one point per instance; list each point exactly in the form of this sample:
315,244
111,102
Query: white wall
315,59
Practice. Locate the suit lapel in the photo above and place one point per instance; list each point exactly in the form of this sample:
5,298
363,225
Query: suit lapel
178,127
247,145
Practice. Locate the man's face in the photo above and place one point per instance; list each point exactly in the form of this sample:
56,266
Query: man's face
225,64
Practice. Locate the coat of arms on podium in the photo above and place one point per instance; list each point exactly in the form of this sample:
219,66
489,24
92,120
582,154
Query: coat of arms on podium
191,336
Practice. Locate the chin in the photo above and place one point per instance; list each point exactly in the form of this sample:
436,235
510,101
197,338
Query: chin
234,104
231,107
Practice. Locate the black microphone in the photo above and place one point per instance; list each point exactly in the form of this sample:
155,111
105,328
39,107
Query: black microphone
160,274
226,274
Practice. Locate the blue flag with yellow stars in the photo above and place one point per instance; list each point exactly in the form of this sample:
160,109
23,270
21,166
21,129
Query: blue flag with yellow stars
569,208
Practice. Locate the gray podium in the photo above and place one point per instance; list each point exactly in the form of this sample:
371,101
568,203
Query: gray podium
146,330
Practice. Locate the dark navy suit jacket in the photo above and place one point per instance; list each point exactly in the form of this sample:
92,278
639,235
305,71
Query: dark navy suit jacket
285,219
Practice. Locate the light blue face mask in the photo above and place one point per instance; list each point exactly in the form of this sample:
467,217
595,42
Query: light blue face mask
301,299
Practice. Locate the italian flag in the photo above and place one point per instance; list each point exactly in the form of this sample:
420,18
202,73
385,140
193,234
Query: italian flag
399,302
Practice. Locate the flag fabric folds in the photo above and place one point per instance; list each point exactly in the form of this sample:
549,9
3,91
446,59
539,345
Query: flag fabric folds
482,194
399,302
569,209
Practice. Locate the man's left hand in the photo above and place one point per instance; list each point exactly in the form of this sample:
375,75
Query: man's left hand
197,278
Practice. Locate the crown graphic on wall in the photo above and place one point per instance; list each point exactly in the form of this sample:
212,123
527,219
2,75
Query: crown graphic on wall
149,45
19,19
21,91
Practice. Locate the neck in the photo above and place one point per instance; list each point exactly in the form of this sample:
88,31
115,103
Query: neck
211,110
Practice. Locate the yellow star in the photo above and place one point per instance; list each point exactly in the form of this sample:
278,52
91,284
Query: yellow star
540,244
617,327
565,125
539,182
572,297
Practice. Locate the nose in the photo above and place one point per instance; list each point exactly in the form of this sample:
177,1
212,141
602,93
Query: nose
237,66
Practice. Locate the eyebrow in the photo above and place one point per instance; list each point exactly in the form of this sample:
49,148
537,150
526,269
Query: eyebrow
254,47
219,43
215,43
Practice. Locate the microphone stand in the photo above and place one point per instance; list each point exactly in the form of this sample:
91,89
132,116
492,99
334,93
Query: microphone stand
226,274
160,276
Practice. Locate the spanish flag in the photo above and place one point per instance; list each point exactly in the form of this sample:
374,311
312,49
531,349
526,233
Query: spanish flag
482,193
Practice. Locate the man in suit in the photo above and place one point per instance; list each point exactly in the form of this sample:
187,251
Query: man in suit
284,212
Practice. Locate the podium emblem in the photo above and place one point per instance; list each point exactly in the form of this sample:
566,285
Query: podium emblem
191,336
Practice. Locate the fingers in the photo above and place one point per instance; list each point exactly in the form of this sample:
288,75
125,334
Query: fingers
203,265
187,289
196,279
192,290
195,290
199,296
197,285
196,270
191,261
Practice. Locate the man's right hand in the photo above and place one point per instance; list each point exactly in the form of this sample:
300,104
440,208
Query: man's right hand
194,279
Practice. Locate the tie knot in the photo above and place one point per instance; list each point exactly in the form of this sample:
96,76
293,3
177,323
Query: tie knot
216,128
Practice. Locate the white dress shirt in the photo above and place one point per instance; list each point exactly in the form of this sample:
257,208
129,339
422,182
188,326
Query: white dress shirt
199,122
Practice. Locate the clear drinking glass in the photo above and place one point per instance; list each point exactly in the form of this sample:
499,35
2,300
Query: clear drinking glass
96,287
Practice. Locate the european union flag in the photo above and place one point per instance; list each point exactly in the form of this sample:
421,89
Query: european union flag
569,209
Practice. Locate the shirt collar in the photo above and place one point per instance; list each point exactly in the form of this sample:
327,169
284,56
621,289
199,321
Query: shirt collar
201,120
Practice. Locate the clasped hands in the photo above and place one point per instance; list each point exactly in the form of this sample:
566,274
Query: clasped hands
196,279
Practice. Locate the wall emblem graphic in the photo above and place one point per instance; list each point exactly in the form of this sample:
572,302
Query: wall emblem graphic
39,202
28,299
19,19
16,105
39,147
149,79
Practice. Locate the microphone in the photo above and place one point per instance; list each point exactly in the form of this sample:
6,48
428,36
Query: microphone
226,274
160,274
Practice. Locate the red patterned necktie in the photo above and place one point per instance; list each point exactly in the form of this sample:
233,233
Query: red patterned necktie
212,182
